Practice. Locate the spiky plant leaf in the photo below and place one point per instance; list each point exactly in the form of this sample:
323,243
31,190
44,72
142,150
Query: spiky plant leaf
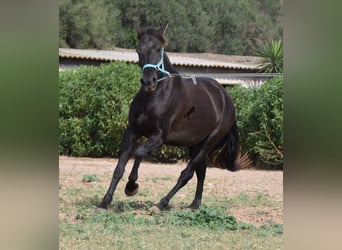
273,57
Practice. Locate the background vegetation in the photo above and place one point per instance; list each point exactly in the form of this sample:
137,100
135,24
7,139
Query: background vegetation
218,26
260,121
94,104
93,108
272,54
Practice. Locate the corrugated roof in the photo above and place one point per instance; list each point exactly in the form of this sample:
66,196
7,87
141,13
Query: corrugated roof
180,59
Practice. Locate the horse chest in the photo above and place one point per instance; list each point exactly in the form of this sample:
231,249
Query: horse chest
142,120
144,123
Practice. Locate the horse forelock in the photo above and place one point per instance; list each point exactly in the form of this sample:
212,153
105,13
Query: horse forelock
153,32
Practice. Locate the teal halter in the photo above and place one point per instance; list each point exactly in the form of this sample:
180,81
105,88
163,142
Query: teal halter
159,66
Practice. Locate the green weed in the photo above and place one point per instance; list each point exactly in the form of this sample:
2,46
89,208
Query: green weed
205,217
74,191
90,178
269,229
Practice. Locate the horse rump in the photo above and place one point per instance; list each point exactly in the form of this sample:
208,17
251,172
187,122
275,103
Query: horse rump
226,153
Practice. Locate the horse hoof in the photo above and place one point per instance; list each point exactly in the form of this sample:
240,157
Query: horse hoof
193,206
131,188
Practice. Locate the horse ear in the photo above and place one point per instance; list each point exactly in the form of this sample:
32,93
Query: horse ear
138,30
163,28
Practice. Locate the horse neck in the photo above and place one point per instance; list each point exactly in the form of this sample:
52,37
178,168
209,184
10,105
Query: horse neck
168,65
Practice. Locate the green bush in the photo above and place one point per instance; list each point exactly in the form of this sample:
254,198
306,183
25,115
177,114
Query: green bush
168,154
260,121
93,111
93,108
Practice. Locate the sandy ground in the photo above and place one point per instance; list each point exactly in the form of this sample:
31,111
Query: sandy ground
231,183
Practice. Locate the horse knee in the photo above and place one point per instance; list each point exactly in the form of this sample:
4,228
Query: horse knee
140,152
118,173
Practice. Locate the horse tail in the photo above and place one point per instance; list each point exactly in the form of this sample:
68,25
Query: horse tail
226,153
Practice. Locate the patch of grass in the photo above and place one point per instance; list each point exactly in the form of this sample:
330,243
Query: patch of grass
90,178
132,205
139,213
88,201
205,228
74,191
144,192
131,224
244,199
205,217
270,228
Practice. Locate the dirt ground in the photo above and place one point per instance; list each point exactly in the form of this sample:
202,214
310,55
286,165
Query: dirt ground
248,180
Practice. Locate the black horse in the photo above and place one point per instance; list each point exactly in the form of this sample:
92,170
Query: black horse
168,109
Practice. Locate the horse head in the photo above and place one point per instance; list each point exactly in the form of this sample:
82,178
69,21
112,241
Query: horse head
150,50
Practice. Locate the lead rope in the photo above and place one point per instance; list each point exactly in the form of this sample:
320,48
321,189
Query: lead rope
183,75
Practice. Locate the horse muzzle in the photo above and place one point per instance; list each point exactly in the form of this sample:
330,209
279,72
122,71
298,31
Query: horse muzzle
149,85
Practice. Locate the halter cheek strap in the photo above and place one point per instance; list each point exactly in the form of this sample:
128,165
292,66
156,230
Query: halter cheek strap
159,66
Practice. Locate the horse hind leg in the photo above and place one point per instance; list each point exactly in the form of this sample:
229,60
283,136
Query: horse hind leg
198,160
200,173
197,163
183,179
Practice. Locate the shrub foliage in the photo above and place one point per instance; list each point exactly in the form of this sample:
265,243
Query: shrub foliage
273,57
94,104
93,108
260,121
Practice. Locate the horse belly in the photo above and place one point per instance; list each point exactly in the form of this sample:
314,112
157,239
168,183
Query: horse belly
182,138
190,129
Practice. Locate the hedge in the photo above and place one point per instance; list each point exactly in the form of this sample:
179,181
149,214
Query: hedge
93,111
260,121
93,108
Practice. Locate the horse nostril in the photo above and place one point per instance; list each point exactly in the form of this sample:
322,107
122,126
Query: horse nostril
154,79
142,81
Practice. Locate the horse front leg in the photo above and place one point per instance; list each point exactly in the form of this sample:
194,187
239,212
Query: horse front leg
153,142
129,139
132,187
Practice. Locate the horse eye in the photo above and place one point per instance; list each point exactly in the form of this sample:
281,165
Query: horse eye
158,50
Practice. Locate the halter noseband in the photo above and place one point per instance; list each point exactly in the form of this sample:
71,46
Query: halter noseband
159,66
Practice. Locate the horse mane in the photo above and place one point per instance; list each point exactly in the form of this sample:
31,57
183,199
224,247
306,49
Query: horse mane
152,32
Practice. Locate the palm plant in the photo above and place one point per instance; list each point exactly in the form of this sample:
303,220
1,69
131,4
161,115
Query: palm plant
273,57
